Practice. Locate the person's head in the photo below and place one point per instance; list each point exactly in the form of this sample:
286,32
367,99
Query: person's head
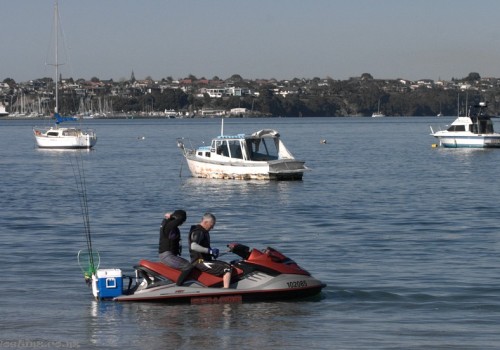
208,221
179,214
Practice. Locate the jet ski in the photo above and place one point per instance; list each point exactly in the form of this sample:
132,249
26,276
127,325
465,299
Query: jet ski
259,275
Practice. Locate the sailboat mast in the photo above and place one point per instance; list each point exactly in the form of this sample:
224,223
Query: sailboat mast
56,26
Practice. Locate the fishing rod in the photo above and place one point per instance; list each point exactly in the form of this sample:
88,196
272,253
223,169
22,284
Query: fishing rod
93,256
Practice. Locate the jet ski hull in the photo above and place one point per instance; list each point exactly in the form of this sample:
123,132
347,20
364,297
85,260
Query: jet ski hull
259,276
282,287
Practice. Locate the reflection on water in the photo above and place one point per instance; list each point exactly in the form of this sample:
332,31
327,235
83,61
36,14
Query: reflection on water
212,326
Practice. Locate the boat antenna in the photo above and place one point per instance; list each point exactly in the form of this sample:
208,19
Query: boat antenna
79,175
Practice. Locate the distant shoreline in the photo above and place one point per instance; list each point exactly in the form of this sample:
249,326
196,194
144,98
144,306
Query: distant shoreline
140,117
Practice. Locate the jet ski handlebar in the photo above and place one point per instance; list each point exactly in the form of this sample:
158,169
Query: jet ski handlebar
239,249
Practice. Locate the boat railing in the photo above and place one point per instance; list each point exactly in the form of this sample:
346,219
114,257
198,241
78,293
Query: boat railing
186,145
90,132
437,128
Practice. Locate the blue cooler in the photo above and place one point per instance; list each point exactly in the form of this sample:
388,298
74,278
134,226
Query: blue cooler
109,283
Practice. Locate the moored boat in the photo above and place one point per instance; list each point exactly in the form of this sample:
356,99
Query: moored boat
3,111
475,130
261,155
62,137
378,113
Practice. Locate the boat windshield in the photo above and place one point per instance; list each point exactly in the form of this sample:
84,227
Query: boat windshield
262,149
228,148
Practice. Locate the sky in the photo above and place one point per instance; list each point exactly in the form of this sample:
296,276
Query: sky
257,39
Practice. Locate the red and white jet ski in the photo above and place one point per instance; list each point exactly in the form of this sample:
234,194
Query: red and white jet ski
259,275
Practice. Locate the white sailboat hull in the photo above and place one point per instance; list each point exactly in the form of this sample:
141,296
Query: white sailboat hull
65,138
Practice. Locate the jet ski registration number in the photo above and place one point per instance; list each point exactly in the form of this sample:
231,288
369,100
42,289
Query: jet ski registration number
296,284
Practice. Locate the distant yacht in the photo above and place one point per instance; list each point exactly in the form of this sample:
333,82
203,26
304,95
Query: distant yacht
3,112
378,114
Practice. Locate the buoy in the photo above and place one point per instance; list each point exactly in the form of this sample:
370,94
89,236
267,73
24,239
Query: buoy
435,145
322,141
141,137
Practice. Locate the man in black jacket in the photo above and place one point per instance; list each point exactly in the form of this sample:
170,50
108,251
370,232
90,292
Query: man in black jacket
203,255
170,247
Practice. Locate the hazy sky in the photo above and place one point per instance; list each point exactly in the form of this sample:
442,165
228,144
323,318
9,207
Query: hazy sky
282,39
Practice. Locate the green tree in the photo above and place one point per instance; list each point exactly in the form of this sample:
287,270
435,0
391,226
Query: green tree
472,77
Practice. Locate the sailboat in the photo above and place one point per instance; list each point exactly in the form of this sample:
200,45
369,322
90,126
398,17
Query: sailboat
3,112
57,137
378,114
440,114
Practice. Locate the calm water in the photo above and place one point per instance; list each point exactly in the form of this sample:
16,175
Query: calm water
406,237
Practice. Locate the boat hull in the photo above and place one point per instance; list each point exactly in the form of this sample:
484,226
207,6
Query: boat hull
282,287
286,169
469,141
65,138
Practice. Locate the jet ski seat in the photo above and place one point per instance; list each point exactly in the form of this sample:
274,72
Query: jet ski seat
172,274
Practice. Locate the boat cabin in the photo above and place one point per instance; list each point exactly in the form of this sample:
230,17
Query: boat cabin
476,125
59,132
264,145
477,122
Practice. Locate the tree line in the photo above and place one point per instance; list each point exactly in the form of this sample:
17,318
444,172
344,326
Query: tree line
315,98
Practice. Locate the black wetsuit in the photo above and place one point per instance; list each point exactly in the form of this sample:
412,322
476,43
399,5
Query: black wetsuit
170,241
205,261
170,236
200,236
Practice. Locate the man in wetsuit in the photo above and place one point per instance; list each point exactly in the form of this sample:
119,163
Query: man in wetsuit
170,240
202,255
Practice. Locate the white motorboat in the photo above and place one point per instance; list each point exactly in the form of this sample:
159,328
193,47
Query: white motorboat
57,136
261,155
472,131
